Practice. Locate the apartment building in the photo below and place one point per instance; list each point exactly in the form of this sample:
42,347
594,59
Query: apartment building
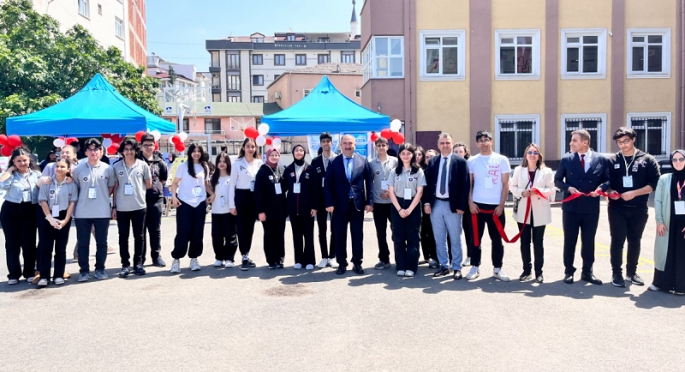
528,71
292,86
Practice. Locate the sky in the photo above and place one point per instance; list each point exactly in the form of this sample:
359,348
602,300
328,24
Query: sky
177,29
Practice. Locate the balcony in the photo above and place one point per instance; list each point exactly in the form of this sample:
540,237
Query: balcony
214,69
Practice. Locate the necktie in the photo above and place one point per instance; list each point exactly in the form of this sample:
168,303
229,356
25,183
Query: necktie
348,168
443,177
582,161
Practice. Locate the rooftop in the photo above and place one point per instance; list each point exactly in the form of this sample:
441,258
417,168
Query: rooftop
327,69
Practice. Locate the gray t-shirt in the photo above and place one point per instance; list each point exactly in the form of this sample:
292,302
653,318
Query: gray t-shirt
58,194
381,175
408,181
101,178
136,176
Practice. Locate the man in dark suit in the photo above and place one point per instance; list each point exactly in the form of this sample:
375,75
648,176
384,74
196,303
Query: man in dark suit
581,171
349,183
445,198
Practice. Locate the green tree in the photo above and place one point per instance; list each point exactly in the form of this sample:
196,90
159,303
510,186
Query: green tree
40,65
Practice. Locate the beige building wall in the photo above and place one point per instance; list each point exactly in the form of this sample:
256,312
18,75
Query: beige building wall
292,86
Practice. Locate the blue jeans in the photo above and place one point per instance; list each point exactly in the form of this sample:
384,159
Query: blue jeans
83,226
446,221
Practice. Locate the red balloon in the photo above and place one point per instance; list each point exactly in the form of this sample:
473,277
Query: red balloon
386,133
251,132
6,150
116,138
269,141
139,135
180,147
156,145
374,136
14,140
112,149
71,139
3,139
398,138
176,139
105,135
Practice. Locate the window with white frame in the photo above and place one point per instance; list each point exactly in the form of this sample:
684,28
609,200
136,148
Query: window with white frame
212,125
652,132
257,59
383,58
595,124
324,58
233,82
232,61
347,57
513,133
234,99
583,53
300,59
84,8
649,52
257,99
119,27
517,54
443,54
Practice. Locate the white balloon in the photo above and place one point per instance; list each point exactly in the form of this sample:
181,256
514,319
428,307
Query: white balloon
395,125
58,142
170,141
276,143
263,129
183,136
107,142
261,141
155,133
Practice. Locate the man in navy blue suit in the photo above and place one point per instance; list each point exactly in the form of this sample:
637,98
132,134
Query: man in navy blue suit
581,171
348,187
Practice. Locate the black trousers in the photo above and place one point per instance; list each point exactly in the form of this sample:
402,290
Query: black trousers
355,219
153,225
190,228
274,241
497,246
303,239
381,217
427,238
536,234
467,227
126,220
322,223
49,239
246,210
586,223
84,226
626,222
405,235
19,225
224,238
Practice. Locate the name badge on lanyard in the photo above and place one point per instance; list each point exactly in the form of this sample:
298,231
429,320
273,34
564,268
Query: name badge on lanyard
407,194
628,181
55,210
26,196
384,185
279,191
323,181
680,205
128,189
197,191
251,185
92,192
222,201
296,188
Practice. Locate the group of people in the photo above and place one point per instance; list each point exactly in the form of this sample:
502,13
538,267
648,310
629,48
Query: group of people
427,197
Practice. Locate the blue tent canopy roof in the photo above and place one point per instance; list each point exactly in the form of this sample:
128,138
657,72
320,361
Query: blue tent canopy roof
95,109
325,109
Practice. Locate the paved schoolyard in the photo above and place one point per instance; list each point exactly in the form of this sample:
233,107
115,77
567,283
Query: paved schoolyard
290,320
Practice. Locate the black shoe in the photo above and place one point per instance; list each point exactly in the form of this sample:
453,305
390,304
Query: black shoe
635,279
279,266
568,279
457,275
159,262
442,272
247,264
140,270
618,281
341,270
357,268
125,271
525,276
273,266
590,278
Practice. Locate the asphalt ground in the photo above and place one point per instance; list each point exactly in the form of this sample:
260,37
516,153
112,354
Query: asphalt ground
294,320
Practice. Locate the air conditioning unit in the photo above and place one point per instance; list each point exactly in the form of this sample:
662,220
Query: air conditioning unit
277,95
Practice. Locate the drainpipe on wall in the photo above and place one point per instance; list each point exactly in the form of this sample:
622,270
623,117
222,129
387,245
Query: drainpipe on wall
680,110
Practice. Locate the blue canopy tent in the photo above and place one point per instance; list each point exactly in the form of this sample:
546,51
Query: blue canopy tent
95,109
325,109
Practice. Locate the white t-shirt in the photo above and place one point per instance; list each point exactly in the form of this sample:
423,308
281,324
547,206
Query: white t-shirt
186,188
221,192
487,177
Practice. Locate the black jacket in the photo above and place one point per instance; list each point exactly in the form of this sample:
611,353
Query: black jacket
571,174
301,204
644,171
159,175
458,186
266,199
320,172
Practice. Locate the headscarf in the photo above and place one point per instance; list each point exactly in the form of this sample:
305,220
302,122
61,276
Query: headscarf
678,174
301,161
273,166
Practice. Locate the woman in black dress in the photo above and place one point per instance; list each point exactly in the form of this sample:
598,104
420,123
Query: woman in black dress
270,203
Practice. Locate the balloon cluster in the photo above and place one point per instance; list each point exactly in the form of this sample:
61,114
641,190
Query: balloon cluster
111,142
63,141
259,135
177,140
9,143
391,133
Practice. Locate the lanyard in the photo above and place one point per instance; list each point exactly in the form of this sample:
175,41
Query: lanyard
57,187
93,173
631,162
128,173
680,188
276,173
298,172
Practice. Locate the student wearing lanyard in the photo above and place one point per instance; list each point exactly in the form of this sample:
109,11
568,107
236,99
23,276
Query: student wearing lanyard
406,185
18,214
95,180
300,182
189,196
241,197
669,246
224,238
320,164
133,181
270,204
57,201
381,167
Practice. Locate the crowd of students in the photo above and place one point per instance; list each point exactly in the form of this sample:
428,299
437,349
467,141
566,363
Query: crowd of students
427,197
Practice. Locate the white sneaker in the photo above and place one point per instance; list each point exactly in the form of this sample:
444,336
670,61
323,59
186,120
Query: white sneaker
12,281
310,267
59,281
297,266
467,262
500,275
228,264
218,263
401,272
323,263
473,273
43,283
409,273
194,265
333,263
175,267
652,287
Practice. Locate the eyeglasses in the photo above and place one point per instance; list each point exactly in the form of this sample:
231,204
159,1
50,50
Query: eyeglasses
533,153
148,145
678,160
92,149
624,142
129,150
487,140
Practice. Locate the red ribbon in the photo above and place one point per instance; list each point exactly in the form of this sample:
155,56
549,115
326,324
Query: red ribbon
600,193
498,224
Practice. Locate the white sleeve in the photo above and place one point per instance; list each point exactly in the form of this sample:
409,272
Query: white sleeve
231,185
